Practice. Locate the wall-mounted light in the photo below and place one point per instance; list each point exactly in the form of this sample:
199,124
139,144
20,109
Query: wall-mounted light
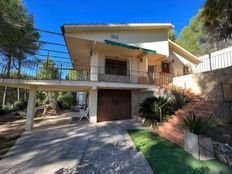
173,60
90,52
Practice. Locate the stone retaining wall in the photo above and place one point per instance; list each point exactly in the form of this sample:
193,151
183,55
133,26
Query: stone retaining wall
223,152
224,111
202,83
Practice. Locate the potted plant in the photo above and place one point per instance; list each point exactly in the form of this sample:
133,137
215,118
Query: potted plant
199,146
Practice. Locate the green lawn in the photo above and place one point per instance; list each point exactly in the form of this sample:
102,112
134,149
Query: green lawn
165,157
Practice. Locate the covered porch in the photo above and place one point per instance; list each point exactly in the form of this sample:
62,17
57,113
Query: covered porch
112,61
103,62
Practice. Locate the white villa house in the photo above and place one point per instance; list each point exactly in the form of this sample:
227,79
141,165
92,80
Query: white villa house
116,64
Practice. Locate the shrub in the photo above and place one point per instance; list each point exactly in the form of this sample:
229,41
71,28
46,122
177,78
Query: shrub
194,124
150,110
179,99
42,98
66,101
8,108
18,105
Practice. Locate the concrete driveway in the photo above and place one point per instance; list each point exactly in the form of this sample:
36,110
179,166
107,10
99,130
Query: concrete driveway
88,149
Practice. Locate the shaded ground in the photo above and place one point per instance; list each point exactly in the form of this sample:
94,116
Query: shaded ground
11,127
100,148
167,158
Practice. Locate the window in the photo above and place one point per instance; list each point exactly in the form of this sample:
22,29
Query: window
115,67
165,67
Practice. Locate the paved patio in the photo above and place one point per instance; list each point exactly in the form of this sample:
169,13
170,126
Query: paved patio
88,149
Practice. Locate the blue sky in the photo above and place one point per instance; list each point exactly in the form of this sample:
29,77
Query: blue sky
51,14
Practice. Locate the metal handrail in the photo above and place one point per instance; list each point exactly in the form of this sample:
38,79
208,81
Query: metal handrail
86,73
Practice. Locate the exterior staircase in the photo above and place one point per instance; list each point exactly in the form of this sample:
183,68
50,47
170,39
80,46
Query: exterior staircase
201,107
172,129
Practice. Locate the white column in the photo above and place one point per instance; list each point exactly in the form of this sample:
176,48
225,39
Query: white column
94,66
130,64
93,105
146,64
31,109
130,75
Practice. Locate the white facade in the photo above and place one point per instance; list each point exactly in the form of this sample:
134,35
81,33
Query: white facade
154,40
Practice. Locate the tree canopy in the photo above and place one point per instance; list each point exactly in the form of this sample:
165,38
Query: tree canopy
217,19
197,40
72,74
17,35
48,70
192,37
172,35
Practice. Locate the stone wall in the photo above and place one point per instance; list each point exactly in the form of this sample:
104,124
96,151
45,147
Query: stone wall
223,152
224,111
202,83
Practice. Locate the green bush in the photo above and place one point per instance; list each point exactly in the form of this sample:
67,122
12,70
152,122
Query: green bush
149,110
194,124
66,101
18,105
42,98
179,99
8,108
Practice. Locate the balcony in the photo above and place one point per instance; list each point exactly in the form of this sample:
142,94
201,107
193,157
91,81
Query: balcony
83,73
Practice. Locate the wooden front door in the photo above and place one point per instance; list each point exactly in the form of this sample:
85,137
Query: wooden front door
113,105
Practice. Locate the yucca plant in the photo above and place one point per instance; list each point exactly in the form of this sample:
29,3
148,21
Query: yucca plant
194,124
149,110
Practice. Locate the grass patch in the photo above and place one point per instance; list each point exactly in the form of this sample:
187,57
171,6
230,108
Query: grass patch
6,146
165,157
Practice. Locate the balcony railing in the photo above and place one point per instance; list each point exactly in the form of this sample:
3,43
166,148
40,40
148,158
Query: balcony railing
83,73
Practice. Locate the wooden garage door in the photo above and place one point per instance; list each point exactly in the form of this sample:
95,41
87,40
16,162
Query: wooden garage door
113,105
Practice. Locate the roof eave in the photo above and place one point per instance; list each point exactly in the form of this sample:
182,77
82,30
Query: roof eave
186,54
167,26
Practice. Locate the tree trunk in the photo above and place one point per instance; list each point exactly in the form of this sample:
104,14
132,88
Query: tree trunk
55,96
4,97
8,65
19,68
18,94
25,95
49,97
